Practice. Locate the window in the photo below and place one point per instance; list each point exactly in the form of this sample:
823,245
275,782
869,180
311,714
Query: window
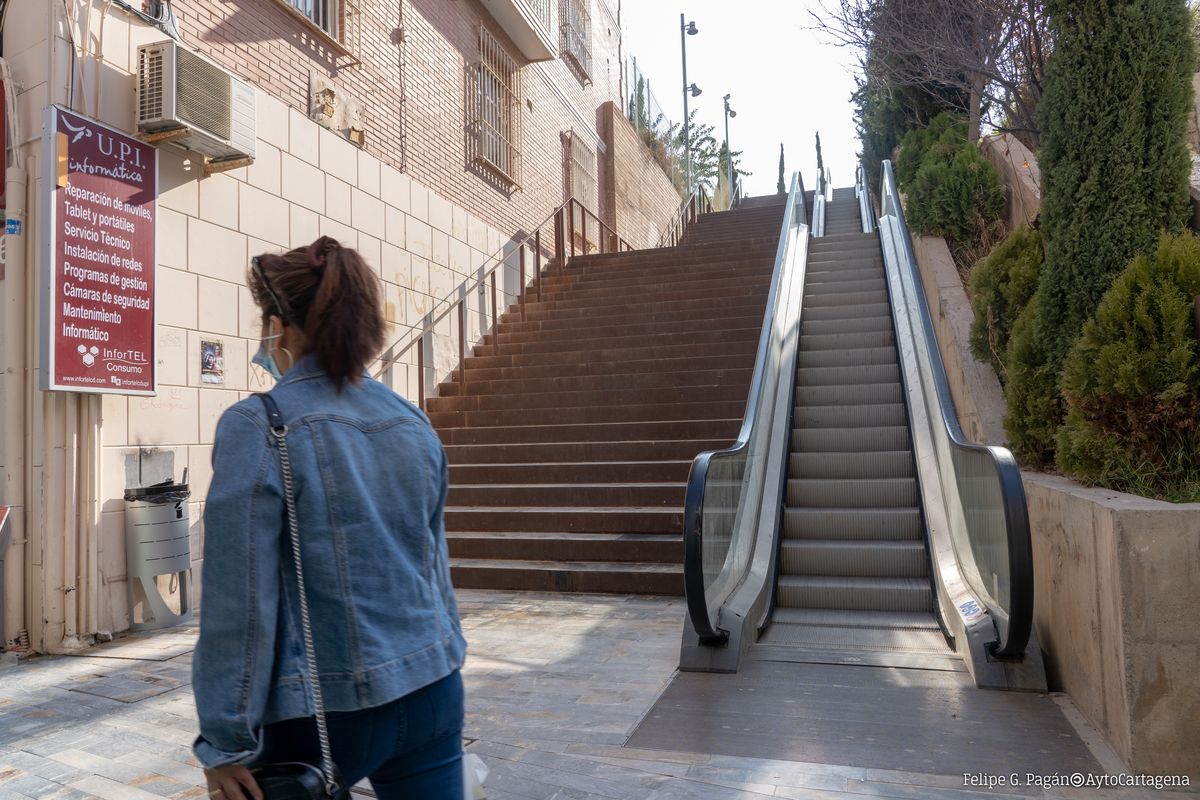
581,170
577,38
325,14
494,111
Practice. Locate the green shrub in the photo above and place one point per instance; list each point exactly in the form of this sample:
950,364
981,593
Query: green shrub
1132,381
951,189
1035,408
1000,286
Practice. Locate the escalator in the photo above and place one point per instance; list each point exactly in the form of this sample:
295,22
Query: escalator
853,562
852,522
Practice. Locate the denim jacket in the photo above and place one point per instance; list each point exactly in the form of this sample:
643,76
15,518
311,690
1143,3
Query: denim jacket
370,484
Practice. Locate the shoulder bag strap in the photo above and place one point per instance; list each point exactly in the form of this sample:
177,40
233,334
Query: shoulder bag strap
279,432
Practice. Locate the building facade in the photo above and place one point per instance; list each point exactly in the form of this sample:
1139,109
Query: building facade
432,135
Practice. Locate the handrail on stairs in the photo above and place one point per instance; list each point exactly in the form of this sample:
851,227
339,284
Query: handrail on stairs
689,210
568,236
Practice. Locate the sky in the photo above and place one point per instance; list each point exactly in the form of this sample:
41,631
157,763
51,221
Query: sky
786,81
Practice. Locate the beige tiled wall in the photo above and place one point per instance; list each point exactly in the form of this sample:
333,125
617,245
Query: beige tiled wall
305,182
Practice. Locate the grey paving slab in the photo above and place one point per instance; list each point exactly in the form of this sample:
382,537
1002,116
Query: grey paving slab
920,720
556,684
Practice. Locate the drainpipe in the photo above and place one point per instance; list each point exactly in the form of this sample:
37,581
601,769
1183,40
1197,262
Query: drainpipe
16,376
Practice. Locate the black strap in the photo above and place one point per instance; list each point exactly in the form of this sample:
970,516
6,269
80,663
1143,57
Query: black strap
274,418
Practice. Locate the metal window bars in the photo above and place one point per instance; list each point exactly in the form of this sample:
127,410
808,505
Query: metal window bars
494,111
580,170
540,9
577,36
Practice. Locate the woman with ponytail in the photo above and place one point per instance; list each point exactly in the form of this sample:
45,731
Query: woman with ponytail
368,477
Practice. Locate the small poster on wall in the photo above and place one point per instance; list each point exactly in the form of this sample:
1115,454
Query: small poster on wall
212,361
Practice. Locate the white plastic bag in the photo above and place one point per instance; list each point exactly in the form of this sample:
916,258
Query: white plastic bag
475,772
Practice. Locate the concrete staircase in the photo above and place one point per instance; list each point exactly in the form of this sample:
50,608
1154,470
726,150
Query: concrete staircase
854,569
570,447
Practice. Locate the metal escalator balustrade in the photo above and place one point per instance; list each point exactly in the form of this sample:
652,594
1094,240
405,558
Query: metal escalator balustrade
964,500
982,497
724,508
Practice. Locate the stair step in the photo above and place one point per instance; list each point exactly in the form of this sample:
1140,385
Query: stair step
857,299
820,327
864,558
849,415
580,471
857,523
869,464
534,495
597,414
860,594
675,366
844,618
595,432
553,344
575,576
850,394
517,332
850,440
571,519
861,644
847,357
745,347
594,385
557,546
852,493
673,450
847,375
847,311
837,341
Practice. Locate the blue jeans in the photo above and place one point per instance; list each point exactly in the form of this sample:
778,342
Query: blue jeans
409,748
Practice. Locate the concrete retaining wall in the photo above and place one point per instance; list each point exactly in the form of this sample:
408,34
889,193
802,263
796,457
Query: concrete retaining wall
1117,577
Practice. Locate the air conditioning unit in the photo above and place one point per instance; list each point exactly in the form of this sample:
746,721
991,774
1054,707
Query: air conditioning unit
210,110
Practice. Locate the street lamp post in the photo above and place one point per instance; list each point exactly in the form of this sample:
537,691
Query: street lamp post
687,29
729,112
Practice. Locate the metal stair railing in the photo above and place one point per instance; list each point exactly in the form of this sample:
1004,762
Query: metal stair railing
567,236
734,495
980,485
689,211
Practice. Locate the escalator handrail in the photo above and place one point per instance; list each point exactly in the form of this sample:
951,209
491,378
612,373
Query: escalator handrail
1015,635
693,535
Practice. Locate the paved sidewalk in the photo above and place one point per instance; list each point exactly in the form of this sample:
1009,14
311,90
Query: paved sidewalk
556,684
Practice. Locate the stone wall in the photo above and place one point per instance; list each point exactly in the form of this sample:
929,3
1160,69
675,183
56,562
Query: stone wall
637,197
1019,176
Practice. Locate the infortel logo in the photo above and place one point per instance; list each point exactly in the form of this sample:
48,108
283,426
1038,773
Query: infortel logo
88,355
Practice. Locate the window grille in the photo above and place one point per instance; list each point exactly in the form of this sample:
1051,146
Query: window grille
325,14
581,171
541,12
577,37
494,111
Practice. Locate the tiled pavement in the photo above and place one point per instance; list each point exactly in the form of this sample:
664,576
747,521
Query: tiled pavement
555,686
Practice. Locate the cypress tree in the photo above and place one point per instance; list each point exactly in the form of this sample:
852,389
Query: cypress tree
1114,157
820,166
781,187
1115,171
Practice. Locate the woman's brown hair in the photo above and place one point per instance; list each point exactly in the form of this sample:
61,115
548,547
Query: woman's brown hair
330,294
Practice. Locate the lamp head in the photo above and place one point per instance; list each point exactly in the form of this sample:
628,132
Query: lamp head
732,113
695,90
692,30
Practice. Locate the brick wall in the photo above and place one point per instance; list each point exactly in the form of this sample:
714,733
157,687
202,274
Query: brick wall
637,198
424,136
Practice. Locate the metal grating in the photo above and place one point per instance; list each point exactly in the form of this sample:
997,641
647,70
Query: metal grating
202,94
577,37
540,10
494,110
150,83
581,171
